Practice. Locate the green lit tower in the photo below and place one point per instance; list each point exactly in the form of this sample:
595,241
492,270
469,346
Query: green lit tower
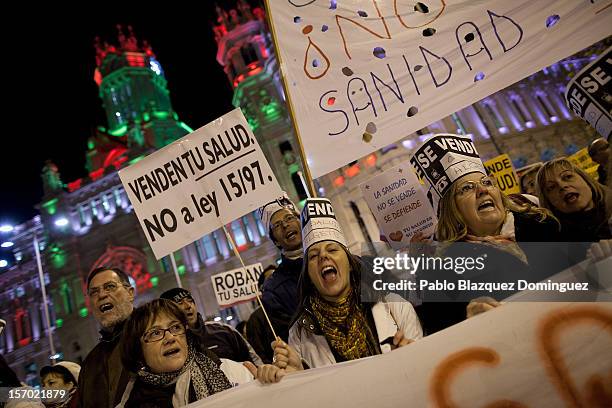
134,95
245,51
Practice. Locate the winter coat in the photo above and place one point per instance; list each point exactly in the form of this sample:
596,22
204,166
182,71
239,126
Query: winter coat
389,316
543,260
103,379
280,294
139,394
260,335
224,341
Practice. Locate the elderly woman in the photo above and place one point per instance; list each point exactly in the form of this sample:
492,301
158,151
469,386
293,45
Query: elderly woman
332,323
168,369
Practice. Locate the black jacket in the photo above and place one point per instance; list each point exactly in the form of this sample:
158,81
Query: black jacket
280,295
260,335
223,340
543,260
103,379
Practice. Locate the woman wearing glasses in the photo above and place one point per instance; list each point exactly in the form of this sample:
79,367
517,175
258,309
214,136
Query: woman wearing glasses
485,222
168,369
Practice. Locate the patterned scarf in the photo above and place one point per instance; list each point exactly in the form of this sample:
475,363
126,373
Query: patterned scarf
345,327
505,241
199,371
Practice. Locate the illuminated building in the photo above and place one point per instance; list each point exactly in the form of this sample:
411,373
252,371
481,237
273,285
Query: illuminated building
89,222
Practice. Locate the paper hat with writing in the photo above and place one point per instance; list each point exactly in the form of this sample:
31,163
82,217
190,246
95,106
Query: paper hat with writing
319,223
268,210
442,159
176,294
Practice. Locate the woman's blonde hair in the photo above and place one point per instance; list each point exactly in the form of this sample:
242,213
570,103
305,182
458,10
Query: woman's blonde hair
558,165
452,226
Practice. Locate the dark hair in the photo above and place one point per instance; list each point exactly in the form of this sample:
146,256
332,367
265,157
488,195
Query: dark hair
131,349
123,277
306,288
8,378
61,370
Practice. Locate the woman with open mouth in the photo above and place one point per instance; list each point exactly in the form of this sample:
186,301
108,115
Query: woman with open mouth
332,324
167,367
582,205
477,220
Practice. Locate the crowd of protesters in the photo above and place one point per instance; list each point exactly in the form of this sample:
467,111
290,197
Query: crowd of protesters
163,353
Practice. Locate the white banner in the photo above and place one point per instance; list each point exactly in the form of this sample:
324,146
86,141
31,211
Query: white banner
236,286
399,205
518,355
589,93
364,73
199,183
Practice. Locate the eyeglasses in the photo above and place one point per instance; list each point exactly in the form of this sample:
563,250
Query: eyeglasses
156,334
185,301
470,186
285,220
108,287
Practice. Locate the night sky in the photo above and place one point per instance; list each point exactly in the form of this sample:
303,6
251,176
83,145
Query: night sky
52,103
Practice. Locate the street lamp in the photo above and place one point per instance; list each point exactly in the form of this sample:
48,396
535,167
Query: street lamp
9,228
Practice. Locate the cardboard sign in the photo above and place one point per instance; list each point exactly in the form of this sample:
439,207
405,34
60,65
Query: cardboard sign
441,160
589,93
399,205
200,182
531,354
502,169
236,286
364,74
583,160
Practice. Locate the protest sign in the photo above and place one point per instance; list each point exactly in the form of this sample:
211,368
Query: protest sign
589,93
199,183
517,355
583,160
236,286
441,160
399,205
502,169
364,74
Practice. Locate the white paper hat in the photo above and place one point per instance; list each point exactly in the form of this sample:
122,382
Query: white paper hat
319,223
268,210
442,159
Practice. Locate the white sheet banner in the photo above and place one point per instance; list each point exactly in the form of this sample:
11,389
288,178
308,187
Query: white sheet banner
399,205
518,355
200,182
236,286
365,73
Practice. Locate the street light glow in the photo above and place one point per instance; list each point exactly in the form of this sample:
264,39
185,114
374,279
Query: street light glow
7,244
61,222
6,228
3,263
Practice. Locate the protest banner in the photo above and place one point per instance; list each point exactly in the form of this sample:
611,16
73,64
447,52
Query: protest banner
517,355
583,160
502,169
589,93
198,183
236,286
399,205
362,75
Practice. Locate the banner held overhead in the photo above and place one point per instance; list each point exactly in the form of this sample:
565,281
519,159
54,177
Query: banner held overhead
202,181
362,75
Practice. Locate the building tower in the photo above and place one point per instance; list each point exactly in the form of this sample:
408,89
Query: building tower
246,54
134,94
